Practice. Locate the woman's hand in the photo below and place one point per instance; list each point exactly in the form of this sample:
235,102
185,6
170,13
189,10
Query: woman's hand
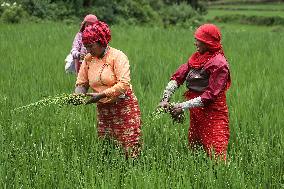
176,111
95,97
80,90
82,56
165,105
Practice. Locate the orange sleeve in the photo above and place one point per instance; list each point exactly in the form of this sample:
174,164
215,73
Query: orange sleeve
122,72
82,78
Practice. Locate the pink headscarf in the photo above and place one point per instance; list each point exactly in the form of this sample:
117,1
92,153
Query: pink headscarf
98,32
89,18
211,36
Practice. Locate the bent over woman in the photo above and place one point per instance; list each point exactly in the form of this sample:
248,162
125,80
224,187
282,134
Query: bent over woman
106,71
207,79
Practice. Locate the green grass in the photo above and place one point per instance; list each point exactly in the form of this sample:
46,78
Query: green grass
268,10
59,148
260,7
212,13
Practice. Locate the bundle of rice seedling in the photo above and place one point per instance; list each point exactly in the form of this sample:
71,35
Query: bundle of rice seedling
59,100
157,114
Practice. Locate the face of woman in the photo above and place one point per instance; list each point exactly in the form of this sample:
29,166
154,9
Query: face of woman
201,47
95,49
88,23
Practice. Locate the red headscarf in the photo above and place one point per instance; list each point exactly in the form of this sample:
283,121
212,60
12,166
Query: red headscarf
89,18
211,36
98,32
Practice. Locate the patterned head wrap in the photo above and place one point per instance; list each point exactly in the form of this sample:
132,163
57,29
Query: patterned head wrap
211,36
98,32
89,18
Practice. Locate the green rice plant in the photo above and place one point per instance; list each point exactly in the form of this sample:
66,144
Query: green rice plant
157,114
59,100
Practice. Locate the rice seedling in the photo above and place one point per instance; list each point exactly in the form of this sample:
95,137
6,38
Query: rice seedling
59,100
157,114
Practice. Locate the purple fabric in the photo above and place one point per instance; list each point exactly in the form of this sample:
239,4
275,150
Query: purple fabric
219,77
78,47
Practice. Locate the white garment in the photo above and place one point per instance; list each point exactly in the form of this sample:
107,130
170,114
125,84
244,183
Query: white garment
192,103
169,90
70,64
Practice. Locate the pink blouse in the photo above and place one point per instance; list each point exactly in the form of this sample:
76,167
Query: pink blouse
109,75
78,47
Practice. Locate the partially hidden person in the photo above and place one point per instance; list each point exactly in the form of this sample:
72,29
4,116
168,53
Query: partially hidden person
78,50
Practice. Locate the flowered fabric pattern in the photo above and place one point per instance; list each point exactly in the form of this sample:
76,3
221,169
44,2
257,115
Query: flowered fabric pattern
121,120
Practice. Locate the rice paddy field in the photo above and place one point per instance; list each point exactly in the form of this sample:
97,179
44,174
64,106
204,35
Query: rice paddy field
264,10
261,7
58,147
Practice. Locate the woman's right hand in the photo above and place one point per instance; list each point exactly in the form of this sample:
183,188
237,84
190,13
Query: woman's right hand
80,90
82,56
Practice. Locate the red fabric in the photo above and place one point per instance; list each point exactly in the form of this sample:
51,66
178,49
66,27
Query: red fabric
219,79
211,36
89,18
209,126
98,32
180,74
121,121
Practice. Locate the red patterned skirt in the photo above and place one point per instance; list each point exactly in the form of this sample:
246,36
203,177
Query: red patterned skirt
209,126
121,121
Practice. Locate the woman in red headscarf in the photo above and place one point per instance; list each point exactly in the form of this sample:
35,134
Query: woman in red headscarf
78,50
207,78
106,71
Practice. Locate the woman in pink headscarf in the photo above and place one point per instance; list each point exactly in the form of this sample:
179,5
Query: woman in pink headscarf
207,78
78,50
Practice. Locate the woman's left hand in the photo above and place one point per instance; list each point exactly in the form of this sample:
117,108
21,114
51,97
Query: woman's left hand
95,97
